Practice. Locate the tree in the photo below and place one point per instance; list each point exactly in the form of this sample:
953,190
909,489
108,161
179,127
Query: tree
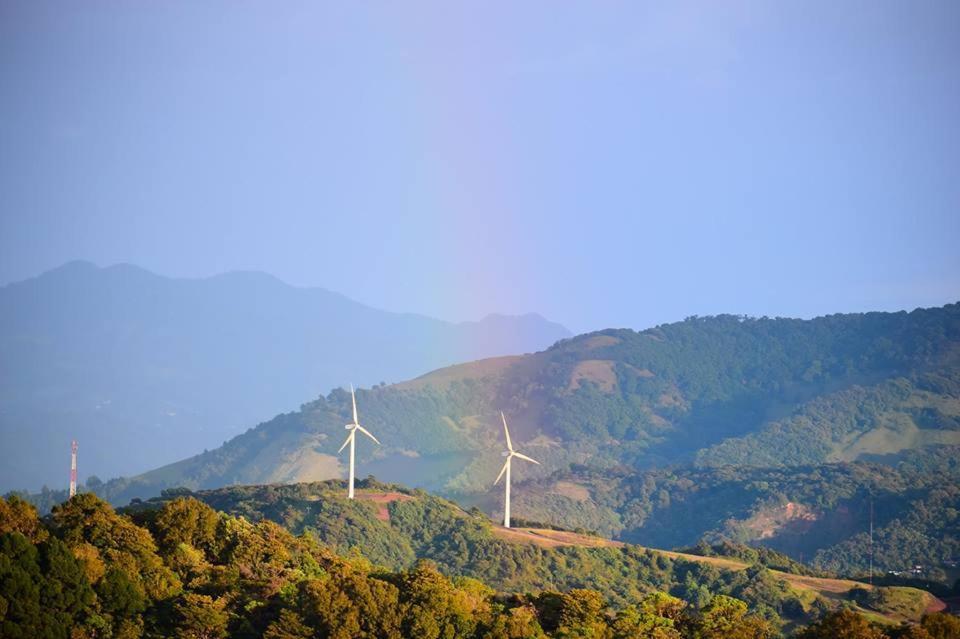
910,631
187,520
350,605
726,618
120,595
941,626
19,515
515,623
658,616
288,626
87,520
434,609
65,593
844,624
581,615
201,617
20,582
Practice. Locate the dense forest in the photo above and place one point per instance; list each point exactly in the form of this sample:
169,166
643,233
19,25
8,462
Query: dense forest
819,513
178,568
816,514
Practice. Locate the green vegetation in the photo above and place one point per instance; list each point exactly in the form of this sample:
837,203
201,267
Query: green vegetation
818,512
462,543
770,516
714,390
177,568
727,430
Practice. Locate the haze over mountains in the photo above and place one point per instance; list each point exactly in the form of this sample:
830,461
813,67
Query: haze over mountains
143,369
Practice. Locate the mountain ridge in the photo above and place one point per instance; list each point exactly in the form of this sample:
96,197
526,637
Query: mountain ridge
119,355
625,398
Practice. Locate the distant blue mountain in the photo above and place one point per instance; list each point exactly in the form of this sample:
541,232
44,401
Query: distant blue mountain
144,369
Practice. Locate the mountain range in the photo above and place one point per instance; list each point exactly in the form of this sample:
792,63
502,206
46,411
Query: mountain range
143,369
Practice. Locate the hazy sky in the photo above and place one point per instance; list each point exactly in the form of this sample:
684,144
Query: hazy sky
603,164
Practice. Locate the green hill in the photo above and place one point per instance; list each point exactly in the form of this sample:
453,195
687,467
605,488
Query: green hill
820,513
708,391
767,432
175,567
395,527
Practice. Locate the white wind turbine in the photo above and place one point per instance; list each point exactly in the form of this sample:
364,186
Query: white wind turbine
510,453
352,437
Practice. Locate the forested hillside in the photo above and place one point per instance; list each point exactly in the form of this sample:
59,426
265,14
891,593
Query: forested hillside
757,431
175,567
708,391
820,514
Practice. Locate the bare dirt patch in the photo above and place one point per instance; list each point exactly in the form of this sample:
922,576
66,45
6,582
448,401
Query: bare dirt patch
382,500
571,490
793,517
600,341
553,538
671,399
598,371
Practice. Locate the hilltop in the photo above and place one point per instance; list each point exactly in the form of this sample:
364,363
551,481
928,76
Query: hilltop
144,369
177,567
395,526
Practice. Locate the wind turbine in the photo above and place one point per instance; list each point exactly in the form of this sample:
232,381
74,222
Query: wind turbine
353,427
510,453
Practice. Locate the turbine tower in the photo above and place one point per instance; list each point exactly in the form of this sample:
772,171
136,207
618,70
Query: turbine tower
509,454
352,438
73,468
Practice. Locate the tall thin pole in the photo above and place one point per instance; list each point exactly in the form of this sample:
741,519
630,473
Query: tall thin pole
353,439
871,538
506,501
73,468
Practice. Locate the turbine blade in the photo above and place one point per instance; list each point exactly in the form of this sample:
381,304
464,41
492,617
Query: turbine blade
367,433
502,471
529,459
353,396
349,437
506,432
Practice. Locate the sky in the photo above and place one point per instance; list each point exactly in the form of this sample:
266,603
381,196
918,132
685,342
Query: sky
603,164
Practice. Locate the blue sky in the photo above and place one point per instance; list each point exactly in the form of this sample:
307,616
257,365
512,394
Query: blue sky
603,164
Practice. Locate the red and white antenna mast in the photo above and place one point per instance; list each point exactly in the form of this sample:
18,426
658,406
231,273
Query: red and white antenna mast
73,468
